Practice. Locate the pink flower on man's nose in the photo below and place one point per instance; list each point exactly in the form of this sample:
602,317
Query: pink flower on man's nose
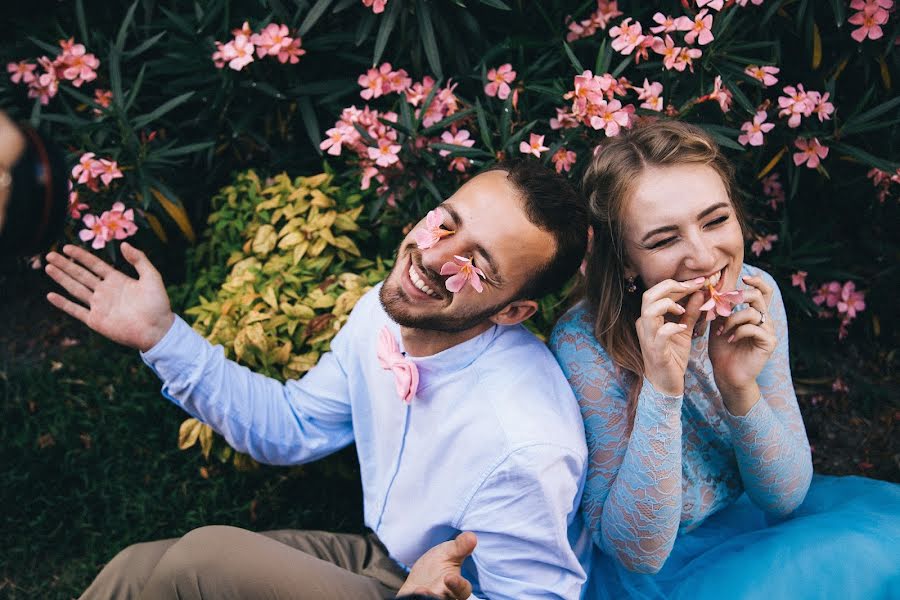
433,231
463,272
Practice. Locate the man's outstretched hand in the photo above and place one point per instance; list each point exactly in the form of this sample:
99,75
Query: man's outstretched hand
437,572
132,312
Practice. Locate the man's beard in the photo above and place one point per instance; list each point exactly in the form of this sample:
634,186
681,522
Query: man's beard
394,300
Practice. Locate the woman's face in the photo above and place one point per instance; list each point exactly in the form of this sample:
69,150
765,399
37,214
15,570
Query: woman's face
680,224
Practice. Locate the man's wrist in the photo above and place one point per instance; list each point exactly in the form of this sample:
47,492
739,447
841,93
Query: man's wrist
157,332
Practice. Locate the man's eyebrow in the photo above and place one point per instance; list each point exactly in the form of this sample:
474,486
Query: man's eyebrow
492,265
703,213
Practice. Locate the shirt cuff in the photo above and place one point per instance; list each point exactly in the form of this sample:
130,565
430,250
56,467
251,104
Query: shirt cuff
758,418
176,352
656,405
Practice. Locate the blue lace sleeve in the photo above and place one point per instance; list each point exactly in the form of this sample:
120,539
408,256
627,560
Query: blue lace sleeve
770,441
632,495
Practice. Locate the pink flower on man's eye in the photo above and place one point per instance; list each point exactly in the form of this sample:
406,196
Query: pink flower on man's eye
463,272
811,152
21,71
763,244
535,145
798,279
754,130
721,303
96,231
433,231
376,5
765,74
563,160
460,138
699,28
385,154
499,80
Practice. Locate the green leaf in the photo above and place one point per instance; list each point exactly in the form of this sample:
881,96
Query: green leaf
518,137
496,4
837,7
604,57
314,14
49,49
461,150
162,110
739,96
144,46
483,126
364,27
724,136
429,44
180,151
82,21
310,122
852,124
771,10
429,185
115,74
126,23
573,59
620,68
864,157
444,123
343,5
384,32
428,100
135,88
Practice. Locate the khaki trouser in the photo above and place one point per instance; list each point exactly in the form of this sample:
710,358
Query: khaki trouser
219,562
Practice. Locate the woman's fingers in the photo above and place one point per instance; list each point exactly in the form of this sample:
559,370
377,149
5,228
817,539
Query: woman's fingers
77,289
69,307
671,289
94,264
670,329
692,309
662,307
725,327
751,331
73,270
759,284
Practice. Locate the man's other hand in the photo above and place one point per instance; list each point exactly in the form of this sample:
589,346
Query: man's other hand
132,312
437,572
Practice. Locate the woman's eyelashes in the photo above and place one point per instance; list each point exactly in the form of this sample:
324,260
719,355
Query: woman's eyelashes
669,240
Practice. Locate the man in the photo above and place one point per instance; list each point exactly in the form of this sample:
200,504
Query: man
462,419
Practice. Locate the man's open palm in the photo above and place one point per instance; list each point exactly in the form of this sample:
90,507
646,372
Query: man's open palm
133,312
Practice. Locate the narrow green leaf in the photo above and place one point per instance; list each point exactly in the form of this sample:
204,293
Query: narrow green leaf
620,68
513,142
429,44
82,21
871,114
429,185
144,46
162,109
572,58
179,23
864,157
604,57
135,88
724,136
310,122
126,23
48,48
406,118
384,32
395,125
483,126
446,122
461,150
771,10
181,150
343,5
115,74
837,7
496,4
364,27
314,14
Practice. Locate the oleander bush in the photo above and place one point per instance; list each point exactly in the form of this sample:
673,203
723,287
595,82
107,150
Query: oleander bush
159,102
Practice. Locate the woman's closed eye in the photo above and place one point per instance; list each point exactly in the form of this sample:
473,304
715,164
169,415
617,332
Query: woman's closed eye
717,221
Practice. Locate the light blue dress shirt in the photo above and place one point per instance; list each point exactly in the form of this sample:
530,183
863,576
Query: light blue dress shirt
493,442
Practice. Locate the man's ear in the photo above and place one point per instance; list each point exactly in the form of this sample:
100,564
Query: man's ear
515,312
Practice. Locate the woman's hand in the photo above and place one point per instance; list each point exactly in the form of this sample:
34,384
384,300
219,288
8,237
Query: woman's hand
664,330
132,312
741,345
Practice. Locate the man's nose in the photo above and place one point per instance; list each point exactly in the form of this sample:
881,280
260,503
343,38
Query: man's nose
442,252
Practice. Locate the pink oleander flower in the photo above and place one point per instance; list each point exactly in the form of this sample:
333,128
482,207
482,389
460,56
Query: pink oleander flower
444,104
271,40
773,189
821,106
418,92
534,145
720,94
102,98
764,74
218,56
119,222
721,303
686,58
798,279
84,171
811,152
336,136
376,5
499,80
651,94
75,64
385,154
46,85
243,30
795,105
366,175
713,4
599,19
699,28
238,53
871,16
669,51
828,294
433,231
292,52
21,71
373,81
744,2
563,120
850,301
462,272
460,138
610,117
106,170
459,163
763,244
95,230
666,24
755,130
75,206
563,160
626,37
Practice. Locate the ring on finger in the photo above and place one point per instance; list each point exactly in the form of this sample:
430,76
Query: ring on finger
762,318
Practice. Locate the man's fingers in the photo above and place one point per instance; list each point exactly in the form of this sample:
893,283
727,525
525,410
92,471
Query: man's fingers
138,260
464,545
69,307
97,266
73,270
75,288
458,586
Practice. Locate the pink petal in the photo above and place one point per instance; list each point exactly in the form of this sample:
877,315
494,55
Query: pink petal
455,283
450,268
475,280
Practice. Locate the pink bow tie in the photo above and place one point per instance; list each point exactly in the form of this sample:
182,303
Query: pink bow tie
406,375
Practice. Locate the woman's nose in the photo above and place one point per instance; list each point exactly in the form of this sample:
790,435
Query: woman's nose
702,258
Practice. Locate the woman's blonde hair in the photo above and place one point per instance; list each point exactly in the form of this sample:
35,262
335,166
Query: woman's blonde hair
608,184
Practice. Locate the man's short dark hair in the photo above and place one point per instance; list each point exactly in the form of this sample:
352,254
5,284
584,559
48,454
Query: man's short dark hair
553,205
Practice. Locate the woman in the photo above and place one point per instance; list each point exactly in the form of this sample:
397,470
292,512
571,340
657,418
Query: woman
700,470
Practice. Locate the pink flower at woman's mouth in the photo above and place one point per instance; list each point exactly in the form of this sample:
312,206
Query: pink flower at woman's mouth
463,272
721,303
431,234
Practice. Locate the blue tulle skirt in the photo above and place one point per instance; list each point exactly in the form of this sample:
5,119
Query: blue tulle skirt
842,542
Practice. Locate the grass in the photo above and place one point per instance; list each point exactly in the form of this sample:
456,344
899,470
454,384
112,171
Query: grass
90,465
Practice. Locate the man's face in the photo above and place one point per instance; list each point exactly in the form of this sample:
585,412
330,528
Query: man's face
492,230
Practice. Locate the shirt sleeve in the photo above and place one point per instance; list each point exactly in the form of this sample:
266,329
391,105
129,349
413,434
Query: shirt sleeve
280,424
521,515
632,495
770,441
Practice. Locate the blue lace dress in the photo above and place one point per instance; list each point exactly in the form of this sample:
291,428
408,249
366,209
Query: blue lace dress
698,503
